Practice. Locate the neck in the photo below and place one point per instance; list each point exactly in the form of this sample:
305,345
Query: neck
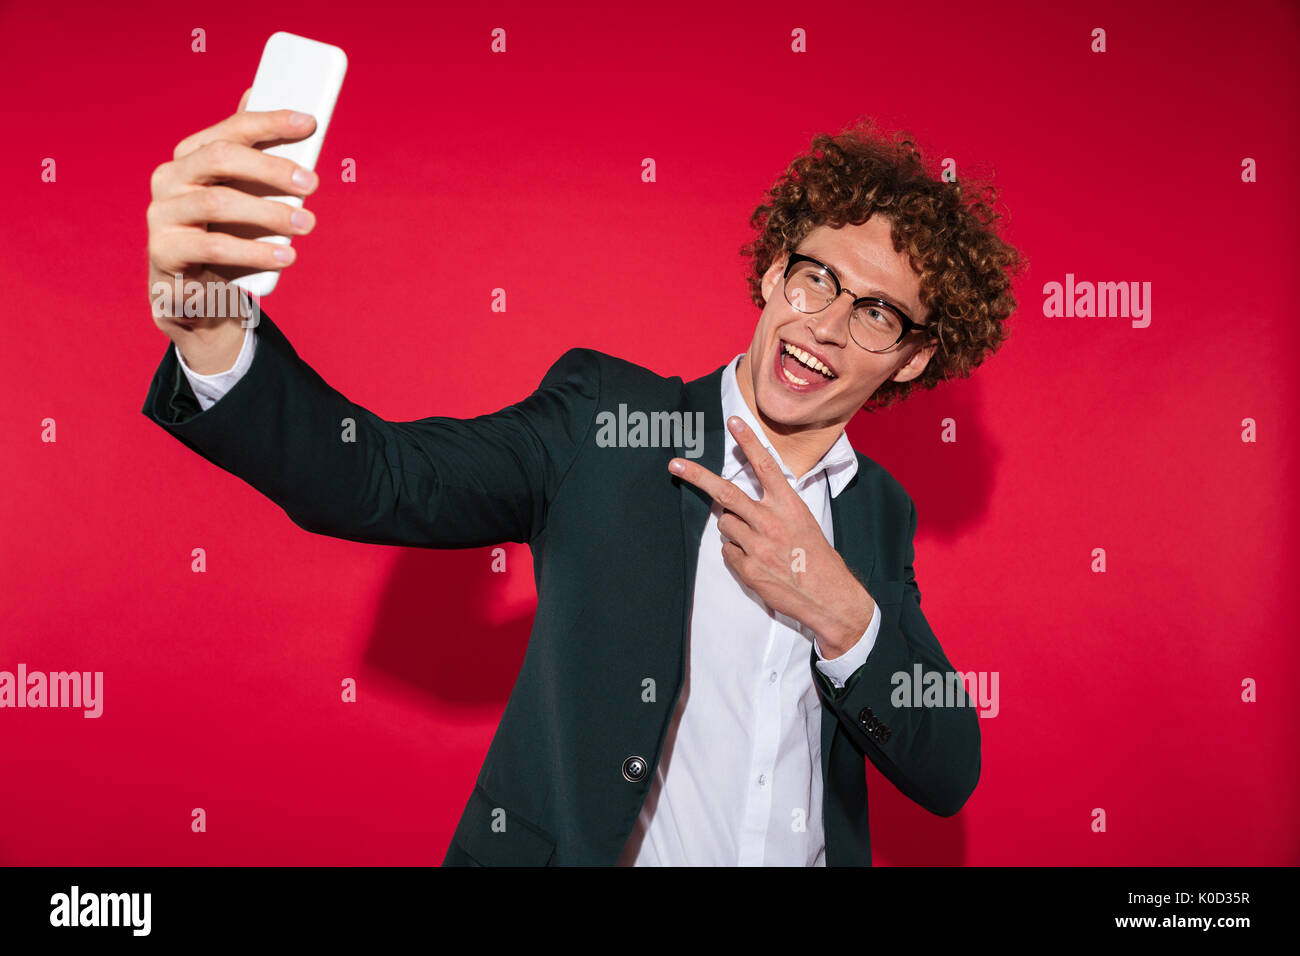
800,446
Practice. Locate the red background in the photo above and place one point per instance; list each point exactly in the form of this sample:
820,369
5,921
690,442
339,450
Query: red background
1119,690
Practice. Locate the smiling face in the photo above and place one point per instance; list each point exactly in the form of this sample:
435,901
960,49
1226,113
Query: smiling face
788,396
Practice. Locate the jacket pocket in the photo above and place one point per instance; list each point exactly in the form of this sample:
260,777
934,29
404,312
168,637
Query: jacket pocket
491,834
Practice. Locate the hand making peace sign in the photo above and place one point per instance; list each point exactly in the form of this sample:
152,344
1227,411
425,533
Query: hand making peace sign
778,549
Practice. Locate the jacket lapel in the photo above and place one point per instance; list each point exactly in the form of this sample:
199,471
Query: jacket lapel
701,395
850,519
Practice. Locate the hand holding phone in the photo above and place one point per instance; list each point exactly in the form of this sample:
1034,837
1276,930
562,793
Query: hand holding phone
210,207
299,74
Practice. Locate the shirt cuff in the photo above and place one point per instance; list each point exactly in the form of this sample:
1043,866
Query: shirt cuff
209,388
840,669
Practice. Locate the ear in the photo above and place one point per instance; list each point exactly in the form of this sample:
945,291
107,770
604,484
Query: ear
916,364
773,274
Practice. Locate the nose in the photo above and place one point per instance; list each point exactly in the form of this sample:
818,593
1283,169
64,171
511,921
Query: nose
831,324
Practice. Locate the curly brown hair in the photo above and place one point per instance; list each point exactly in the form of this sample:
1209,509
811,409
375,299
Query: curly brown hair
964,266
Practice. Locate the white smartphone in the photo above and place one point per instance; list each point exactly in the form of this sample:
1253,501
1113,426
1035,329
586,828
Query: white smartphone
295,74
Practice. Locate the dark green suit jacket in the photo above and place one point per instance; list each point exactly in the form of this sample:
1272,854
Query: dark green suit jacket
614,539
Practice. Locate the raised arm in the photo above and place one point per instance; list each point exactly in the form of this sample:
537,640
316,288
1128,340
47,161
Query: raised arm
338,469
930,753
334,467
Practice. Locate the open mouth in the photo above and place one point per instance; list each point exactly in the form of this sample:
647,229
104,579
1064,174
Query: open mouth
800,370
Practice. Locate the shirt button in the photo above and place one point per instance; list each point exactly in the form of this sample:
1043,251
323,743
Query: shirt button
771,678
762,779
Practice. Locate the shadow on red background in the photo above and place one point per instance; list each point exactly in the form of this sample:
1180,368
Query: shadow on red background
435,631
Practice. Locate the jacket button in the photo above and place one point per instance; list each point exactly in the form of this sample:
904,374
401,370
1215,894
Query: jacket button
634,769
865,716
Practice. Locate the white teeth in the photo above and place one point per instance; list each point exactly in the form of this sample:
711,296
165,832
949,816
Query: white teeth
807,359
797,381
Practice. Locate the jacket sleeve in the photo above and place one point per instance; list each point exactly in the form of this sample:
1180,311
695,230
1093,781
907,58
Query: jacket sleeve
930,753
339,470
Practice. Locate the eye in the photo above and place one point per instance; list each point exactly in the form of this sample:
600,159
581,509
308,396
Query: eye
878,317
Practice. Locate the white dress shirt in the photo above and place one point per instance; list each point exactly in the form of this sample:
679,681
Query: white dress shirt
740,780
209,388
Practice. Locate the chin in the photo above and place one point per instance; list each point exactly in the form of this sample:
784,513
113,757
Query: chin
782,409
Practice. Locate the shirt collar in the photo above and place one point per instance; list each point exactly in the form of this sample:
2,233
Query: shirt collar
840,461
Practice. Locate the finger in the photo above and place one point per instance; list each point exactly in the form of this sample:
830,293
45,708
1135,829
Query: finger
243,100
222,249
769,473
734,529
719,489
733,556
224,159
249,128
198,207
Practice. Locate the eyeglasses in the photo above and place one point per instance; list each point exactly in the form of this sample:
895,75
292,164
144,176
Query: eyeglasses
874,324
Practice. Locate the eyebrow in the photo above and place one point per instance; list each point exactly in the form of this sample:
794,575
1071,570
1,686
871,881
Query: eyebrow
872,293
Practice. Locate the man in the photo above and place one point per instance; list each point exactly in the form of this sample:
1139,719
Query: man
718,620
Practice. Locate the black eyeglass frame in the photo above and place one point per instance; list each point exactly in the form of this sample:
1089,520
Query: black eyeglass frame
908,325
